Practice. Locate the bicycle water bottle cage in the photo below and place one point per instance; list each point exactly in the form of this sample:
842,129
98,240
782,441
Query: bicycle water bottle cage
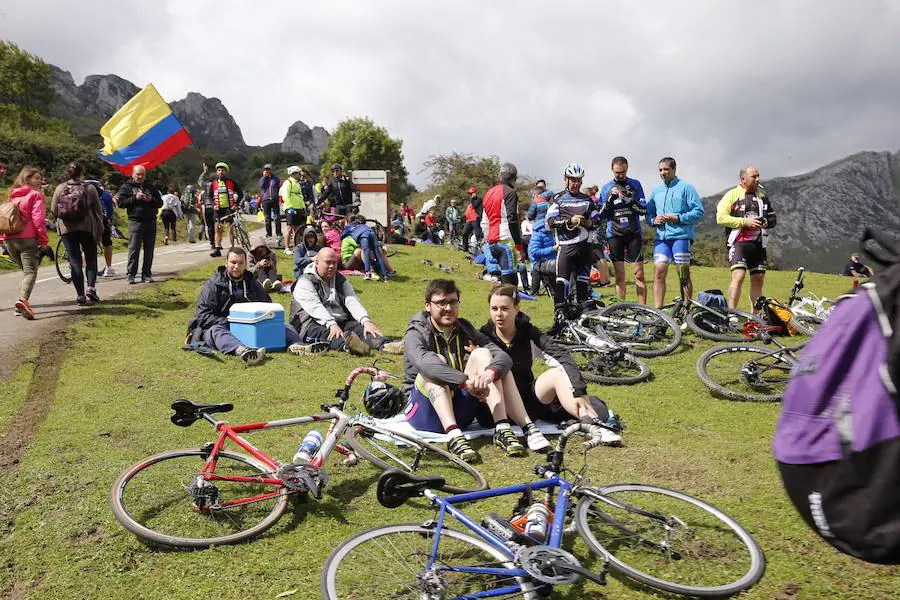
396,487
186,412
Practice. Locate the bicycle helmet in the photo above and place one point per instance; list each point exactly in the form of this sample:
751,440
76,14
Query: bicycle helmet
383,400
294,169
267,166
574,171
336,167
222,165
508,172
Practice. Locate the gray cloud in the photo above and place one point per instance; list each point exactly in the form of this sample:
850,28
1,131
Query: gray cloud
787,85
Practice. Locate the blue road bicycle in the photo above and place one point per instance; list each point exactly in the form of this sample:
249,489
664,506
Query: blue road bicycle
661,538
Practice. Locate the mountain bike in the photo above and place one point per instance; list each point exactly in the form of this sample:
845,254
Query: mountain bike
810,305
712,323
644,331
659,537
207,496
599,358
237,232
746,372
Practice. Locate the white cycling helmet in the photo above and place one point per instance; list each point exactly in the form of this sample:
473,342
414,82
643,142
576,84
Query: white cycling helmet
293,170
574,171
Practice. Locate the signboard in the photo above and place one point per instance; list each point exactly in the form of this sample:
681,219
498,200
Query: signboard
374,194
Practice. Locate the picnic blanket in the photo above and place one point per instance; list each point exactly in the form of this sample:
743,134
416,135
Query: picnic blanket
400,425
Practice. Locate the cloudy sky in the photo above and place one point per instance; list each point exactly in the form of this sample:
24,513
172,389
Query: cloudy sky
786,84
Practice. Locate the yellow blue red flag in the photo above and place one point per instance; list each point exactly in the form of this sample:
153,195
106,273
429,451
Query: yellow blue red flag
144,132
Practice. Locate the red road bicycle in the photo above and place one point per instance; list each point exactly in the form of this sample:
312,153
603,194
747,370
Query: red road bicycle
201,497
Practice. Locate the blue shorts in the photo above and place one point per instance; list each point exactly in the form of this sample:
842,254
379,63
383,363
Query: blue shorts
466,408
677,251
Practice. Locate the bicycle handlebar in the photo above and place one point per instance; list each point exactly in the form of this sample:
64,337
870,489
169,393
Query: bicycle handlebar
589,430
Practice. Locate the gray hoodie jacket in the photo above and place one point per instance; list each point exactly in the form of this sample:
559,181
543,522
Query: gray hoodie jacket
424,345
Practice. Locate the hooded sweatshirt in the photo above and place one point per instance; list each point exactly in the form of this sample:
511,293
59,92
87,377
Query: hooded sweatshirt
529,343
220,293
311,242
324,302
333,240
425,345
32,208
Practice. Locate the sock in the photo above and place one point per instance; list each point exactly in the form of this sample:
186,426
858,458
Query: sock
502,424
453,430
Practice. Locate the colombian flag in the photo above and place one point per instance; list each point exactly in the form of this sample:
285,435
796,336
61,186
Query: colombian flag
143,132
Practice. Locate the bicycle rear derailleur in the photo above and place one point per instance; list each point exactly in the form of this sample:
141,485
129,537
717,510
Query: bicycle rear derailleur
303,478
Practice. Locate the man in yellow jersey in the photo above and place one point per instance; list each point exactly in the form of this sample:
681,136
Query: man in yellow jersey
747,214
295,211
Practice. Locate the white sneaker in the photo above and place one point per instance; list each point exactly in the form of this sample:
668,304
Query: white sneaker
109,272
610,438
537,442
288,251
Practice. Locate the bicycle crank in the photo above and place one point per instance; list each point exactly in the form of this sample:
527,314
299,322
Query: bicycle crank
555,566
303,478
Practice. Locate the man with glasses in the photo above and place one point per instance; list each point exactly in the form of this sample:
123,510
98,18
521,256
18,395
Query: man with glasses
453,375
623,204
673,209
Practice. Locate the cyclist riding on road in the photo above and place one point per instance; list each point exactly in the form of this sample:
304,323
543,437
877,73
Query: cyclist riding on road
572,214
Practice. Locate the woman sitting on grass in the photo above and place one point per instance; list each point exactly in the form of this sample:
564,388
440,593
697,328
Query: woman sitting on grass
559,393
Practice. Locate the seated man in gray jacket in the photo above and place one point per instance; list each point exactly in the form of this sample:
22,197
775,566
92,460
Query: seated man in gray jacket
454,374
327,312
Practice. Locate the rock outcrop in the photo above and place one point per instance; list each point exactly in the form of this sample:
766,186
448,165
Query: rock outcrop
210,124
310,143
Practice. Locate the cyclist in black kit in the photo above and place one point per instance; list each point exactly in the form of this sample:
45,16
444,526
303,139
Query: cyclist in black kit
571,215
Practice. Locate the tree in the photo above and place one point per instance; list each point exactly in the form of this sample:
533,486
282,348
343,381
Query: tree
359,144
453,174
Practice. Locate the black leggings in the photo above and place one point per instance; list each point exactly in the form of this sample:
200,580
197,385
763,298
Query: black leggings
573,259
78,243
168,221
268,207
468,229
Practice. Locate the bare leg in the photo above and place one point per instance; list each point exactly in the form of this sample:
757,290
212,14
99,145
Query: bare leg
640,284
441,400
513,401
107,256
734,290
660,270
689,285
554,384
619,268
218,235
478,362
756,286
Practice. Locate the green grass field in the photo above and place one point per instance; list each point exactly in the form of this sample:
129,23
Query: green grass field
105,388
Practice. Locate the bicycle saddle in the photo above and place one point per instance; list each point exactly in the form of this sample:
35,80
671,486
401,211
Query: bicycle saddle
396,487
186,412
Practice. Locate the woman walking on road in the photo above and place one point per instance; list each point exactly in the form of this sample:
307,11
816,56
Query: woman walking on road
80,224
171,213
26,247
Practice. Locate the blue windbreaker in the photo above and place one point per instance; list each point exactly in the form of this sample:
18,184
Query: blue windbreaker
679,198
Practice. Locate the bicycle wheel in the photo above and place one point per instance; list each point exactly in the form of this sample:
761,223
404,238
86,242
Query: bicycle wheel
242,237
63,268
721,325
390,450
158,500
643,330
744,372
669,540
806,324
610,368
390,562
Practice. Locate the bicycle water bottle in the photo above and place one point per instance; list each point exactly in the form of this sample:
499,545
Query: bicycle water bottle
308,448
538,520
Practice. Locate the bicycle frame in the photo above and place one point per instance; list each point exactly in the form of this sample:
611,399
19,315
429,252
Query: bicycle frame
447,506
339,424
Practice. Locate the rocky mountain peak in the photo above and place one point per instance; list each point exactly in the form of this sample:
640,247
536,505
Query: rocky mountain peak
310,143
209,122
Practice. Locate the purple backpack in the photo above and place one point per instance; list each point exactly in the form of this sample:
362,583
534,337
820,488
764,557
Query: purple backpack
837,441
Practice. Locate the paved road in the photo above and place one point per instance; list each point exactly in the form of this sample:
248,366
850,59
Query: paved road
54,301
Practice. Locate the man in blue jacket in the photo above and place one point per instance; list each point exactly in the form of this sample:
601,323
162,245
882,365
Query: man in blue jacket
674,207
542,254
269,185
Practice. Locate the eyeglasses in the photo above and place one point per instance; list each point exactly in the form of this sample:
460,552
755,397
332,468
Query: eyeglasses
445,304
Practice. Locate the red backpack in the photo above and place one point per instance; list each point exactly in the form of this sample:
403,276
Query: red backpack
72,203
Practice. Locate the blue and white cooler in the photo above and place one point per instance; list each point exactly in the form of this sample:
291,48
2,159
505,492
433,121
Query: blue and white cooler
258,324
